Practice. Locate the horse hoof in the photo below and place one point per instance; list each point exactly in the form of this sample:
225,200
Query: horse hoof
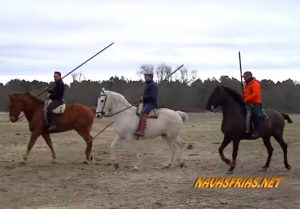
182,165
91,158
25,158
167,166
230,170
135,168
23,162
264,169
116,166
54,162
85,162
288,167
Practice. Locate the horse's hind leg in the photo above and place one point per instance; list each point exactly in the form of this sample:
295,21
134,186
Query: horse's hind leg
49,143
172,147
284,146
32,141
269,147
225,142
89,144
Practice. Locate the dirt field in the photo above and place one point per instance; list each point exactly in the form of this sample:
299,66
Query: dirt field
72,184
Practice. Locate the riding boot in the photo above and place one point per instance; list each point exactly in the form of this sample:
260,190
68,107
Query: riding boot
248,122
142,125
255,133
49,125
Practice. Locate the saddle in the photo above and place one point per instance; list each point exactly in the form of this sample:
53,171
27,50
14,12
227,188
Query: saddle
59,110
153,114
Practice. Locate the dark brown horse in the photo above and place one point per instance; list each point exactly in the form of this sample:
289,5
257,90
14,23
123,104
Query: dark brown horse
76,116
233,124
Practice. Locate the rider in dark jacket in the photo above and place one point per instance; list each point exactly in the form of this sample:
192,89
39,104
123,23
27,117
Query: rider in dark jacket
56,95
149,101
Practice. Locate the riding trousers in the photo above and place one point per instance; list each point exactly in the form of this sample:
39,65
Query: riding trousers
256,112
49,115
147,108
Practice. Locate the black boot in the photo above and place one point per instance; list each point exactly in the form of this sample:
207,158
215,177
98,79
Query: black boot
253,134
50,127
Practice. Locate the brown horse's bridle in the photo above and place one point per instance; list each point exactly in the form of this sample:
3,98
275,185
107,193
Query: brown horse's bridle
19,117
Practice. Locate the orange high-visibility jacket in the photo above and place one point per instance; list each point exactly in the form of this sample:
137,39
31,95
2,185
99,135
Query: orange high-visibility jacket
252,92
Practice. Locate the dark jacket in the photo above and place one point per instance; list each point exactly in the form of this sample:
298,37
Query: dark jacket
57,93
151,94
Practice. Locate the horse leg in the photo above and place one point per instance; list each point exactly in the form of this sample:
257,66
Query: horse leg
47,138
137,166
89,144
225,142
180,145
269,147
32,141
284,146
113,158
173,147
236,143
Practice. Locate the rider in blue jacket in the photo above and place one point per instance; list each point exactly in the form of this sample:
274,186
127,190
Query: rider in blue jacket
149,101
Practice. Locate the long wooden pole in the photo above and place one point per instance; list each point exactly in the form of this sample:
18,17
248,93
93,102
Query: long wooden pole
241,73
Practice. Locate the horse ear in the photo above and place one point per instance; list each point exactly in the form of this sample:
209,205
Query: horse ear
103,90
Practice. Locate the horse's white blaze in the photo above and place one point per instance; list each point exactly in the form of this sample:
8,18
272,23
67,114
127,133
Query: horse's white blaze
168,124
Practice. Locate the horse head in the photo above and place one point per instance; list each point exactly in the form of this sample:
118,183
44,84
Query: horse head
15,106
216,98
103,104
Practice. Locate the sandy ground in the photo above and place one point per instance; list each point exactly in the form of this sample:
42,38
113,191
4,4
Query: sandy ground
72,184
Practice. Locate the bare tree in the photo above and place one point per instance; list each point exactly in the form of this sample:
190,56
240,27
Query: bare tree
145,68
184,76
162,72
192,76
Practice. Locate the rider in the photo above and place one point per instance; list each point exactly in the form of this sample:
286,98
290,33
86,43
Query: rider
149,100
252,98
56,95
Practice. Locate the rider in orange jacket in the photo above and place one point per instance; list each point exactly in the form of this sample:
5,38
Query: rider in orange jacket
252,98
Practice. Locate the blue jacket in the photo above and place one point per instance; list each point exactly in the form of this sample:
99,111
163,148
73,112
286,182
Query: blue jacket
151,94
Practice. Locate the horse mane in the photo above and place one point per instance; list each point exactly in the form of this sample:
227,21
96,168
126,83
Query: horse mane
237,97
122,100
31,97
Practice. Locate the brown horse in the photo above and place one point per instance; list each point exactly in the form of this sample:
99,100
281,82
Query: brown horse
76,116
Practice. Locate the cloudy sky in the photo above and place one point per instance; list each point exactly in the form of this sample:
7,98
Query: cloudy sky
38,37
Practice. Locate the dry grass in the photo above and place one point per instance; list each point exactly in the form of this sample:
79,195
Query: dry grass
71,184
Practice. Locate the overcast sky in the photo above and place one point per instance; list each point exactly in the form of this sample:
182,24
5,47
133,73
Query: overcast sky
38,37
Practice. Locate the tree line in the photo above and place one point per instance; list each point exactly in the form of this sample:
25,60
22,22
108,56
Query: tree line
185,93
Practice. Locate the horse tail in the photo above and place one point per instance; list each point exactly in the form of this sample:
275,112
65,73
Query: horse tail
287,117
183,115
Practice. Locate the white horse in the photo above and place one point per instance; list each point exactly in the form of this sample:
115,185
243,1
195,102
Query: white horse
125,123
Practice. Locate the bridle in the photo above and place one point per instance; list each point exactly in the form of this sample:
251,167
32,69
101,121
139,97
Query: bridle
102,112
112,114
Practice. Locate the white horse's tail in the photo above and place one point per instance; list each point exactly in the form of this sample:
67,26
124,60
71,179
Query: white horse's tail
183,115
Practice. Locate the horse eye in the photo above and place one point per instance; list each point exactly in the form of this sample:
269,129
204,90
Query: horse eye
102,101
